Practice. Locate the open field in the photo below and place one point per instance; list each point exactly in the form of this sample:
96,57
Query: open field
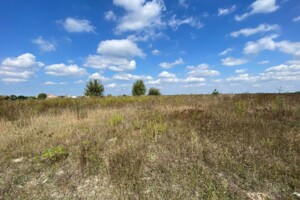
167,147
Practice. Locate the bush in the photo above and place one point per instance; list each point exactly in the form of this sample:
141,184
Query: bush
138,88
154,92
54,154
42,96
215,92
94,88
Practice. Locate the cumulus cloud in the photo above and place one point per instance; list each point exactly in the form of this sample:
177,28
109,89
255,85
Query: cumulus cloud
268,43
19,69
240,71
296,19
225,52
275,73
130,77
175,23
166,74
115,55
44,45
74,25
263,62
54,83
167,65
140,14
110,16
111,85
65,70
230,61
259,6
119,48
201,70
262,28
99,77
155,52
183,3
226,11
111,63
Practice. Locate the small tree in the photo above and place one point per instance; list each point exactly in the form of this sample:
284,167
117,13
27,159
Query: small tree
42,96
94,88
154,92
138,88
215,92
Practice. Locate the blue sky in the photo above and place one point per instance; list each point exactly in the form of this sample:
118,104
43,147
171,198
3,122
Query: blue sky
178,46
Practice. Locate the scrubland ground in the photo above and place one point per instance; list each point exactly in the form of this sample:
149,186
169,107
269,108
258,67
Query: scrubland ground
168,147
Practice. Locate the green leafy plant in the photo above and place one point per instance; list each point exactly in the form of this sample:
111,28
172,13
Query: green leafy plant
154,92
54,154
138,88
116,120
94,88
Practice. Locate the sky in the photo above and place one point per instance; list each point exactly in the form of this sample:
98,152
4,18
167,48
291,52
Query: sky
178,46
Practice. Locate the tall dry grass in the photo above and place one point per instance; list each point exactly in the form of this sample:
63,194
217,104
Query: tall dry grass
176,147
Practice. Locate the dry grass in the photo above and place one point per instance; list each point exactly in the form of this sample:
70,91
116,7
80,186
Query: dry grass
177,147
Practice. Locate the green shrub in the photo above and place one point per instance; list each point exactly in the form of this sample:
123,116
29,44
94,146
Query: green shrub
154,92
116,120
42,96
54,154
215,92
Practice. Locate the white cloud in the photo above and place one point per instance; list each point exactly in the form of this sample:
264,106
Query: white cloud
119,48
44,45
175,23
111,63
240,71
155,52
111,85
296,19
225,52
230,61
263,62
79,82
275,73
265,43
259,6
19,69
65,70
110,16
140,14
167,65
201,70
226,11
115,55
54,83
183,3
99,77
130,77
262,28
193,79
293,62
268,43
166,74
74,25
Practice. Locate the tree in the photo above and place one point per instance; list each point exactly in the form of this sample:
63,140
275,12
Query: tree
42,96
138,88
154,92
215,92
94,88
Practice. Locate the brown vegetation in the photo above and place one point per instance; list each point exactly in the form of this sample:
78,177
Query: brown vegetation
175,147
